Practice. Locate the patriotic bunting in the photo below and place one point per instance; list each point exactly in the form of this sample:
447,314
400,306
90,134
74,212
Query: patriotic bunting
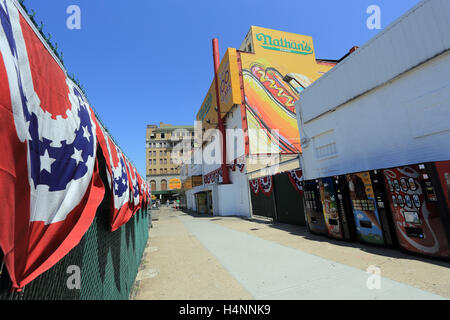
50,186
266,185
296,177
254,185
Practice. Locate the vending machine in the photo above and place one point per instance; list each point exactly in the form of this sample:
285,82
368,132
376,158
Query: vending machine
370,208
419,200
337,208
313,208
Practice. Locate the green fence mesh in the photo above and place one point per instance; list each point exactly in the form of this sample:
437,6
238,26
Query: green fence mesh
109,262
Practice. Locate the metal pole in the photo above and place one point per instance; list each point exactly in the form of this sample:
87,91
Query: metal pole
216,56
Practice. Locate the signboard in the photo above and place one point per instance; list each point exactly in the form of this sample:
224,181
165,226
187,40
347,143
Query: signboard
229,83
207,113
229,87
270,101
174,184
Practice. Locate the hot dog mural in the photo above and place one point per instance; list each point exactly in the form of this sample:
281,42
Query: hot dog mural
257,80
270,100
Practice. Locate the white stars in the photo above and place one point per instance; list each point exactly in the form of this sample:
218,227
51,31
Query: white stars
46,162
77,155
86,133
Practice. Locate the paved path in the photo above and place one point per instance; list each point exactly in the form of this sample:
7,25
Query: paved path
217,262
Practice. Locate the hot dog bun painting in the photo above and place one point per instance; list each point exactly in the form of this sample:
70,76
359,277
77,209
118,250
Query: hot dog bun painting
270,101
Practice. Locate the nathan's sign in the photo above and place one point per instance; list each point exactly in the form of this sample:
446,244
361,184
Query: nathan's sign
229,90
207,113
206,106
229,82
282,44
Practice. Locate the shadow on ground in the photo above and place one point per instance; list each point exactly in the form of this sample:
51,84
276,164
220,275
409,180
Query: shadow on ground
303,232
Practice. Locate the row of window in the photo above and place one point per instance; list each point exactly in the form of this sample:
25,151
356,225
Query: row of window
164,153
163,185
182,134
162,171
160,145
161,161
161,153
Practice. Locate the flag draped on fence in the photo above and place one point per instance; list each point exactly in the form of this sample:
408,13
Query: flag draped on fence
50,182
50,186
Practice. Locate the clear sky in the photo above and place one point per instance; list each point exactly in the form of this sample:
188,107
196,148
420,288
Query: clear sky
146,61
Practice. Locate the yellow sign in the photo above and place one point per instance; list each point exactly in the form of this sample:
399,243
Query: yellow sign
153,197
207,114
229,87
282,65
229,84
283,41
174,184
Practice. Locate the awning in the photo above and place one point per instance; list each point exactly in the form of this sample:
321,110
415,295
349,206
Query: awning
164,192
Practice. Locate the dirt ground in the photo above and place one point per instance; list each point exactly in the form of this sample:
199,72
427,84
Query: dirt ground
177,266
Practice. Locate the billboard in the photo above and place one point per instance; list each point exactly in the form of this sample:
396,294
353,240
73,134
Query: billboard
174,184
270,100
229,91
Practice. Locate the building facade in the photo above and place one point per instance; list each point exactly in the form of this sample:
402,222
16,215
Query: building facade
258,87
164,154
384,112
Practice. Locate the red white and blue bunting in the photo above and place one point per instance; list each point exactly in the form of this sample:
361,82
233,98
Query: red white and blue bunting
266,185
254,185
296,177
239,163
213,177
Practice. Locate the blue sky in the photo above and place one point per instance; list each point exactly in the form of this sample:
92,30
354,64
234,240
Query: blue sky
146,61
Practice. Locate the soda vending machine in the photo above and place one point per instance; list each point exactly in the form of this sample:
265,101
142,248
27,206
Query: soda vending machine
370,208
419,200
337,209
313,208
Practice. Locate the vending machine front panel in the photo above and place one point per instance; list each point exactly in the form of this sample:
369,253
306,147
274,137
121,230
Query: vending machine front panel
345,208
330,208
443,171
416,210
367,219
313,208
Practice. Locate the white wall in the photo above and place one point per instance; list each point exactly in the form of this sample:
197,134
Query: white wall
417,36
233,199
403,122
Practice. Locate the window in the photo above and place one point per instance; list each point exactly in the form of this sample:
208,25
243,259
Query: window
163,136
163,184
150,162
165,161
153,185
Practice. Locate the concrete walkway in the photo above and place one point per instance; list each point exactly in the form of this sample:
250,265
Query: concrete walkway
207,258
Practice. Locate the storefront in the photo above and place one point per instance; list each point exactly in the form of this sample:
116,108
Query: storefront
204,203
